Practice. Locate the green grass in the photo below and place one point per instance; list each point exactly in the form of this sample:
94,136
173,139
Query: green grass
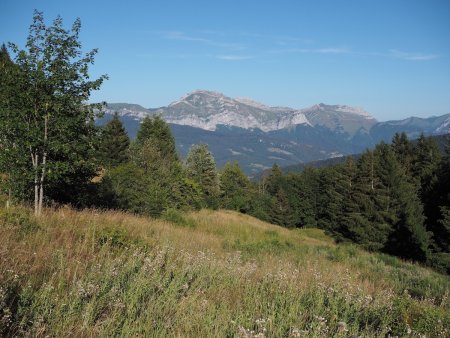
203,274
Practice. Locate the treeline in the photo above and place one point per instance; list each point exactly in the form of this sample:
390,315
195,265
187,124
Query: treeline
394,199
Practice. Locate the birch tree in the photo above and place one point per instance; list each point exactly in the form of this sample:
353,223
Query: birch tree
53,120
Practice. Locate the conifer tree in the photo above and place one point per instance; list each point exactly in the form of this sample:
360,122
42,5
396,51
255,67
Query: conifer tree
281,212
437,204
330,200
400,207
114,144
169,185
273,181
425,164
201,167
365,226
157,130
350,216
12,163
403,149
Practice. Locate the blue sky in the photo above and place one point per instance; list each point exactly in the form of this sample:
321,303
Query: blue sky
390,57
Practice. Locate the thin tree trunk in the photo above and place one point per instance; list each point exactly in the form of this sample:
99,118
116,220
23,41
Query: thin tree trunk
8,201
44,167
41,184
34,160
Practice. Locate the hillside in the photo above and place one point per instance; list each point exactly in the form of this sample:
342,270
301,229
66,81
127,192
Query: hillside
203,274
300,167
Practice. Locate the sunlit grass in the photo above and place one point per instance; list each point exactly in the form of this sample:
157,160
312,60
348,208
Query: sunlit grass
203,274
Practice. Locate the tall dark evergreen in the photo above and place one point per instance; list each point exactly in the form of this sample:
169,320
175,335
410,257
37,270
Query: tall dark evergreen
363,224
114,144
437,205
157,130
403,150
273,181
400,206
154,151
281,212
201,168
330,200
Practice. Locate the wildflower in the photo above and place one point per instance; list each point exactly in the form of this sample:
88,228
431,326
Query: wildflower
342,327
408,329
294,333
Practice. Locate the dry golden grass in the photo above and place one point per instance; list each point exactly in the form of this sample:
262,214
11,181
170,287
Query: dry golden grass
210,273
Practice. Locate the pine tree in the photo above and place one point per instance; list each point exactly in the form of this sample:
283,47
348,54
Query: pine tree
202,169
114,144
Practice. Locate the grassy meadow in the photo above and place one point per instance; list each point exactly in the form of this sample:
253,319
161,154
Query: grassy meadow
210,273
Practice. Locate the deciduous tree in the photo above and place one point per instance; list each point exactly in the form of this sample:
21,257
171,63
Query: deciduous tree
53,123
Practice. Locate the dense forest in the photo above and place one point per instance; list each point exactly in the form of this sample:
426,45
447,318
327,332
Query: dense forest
394,198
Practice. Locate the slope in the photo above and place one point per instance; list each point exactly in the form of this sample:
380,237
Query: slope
204,274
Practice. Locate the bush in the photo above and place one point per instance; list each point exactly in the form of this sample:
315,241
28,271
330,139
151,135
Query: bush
116,237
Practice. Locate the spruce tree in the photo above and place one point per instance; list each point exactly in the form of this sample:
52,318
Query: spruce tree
114,144
403,150
365,225
154,152
398,203
437,204
281,212
201,167
157,130
273,182
330,200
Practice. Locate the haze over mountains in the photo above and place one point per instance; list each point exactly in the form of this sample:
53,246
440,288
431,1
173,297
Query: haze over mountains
257,136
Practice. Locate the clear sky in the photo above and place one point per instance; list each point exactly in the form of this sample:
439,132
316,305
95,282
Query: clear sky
390,57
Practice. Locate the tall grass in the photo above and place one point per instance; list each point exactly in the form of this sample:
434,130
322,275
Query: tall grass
204,274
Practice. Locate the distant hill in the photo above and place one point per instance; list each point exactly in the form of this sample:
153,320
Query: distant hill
256,135
300,167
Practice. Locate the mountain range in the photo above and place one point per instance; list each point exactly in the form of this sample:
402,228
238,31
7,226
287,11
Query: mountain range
257,135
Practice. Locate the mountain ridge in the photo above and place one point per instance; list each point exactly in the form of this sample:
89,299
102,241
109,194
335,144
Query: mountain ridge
257,135
207,109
